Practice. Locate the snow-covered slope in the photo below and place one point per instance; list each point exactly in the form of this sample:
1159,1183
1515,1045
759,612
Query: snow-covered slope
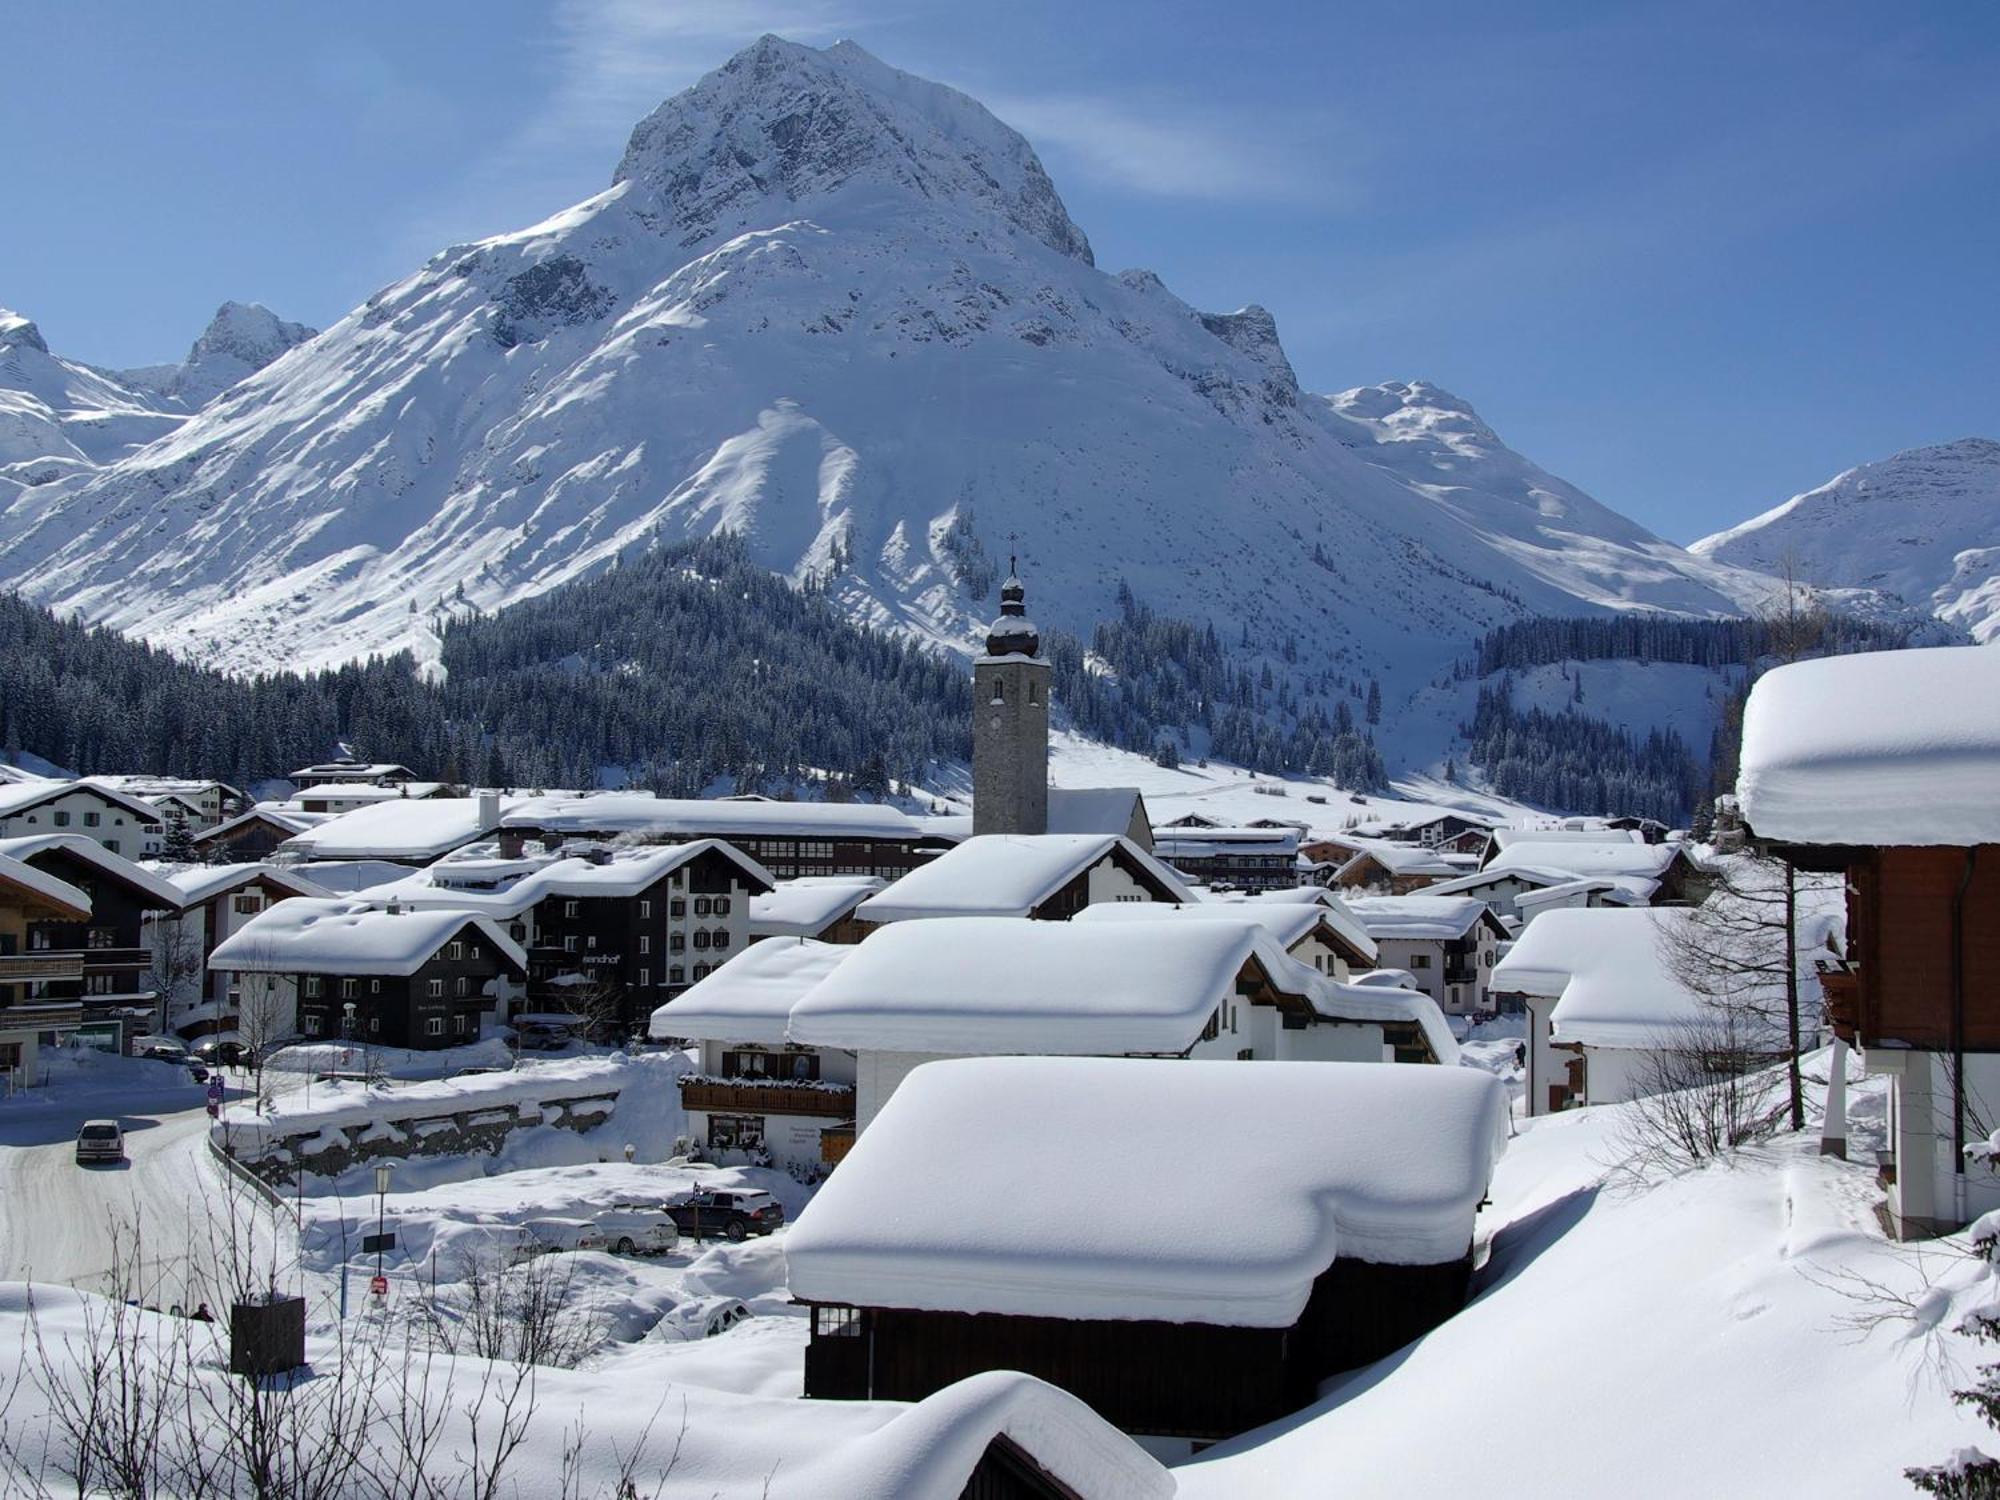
1923,524
240,340
837,308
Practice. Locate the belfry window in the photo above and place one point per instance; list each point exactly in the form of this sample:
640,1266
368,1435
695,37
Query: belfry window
999,691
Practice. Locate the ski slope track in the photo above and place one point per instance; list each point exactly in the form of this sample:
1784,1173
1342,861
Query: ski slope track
833,307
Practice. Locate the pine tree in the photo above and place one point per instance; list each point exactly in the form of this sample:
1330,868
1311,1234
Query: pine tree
177,847
1970,1474
1374,710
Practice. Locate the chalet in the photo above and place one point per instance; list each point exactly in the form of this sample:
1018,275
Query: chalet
1571,831
816,906
400,831
1232,859
30,1014
216,902
1050,876
755,1086
1326,937
125,825
981,986
1502,890
346,796
789,839
1650,874
390,977
1104,1250
114,989
1332,849
254,835
1603,999
1446,831
376,773
1393,870
1571,894
609,933
1885,768
1447,943
205,803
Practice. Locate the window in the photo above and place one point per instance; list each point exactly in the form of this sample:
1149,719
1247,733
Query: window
701,906
722,906
112,845
645,943
1454,995
1033,694
1246,1054
91,819
569,943
677,942
702,971
434,1026
701,937
837,1322
735,1132
374,986
61,818
100,938
518,931
1420,960
999,691
645,978
677,908
312,986
462,987
461,1023
98,984
436,989
374,1023
591,942
1214,1027
570,908
719,938
455,951
676,974
247,906
309,1023
645,909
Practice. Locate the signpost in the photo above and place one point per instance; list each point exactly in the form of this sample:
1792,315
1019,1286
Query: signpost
378,1286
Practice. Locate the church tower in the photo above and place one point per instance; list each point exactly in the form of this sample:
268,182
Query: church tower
1010,723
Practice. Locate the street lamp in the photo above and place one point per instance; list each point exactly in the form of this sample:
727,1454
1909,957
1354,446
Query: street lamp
381,1198
630,1152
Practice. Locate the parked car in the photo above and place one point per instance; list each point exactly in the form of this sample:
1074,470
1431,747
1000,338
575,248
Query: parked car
197,1069
220,1054
100,1140
165,1051
540,1036
639,1229
547,1235
733,1213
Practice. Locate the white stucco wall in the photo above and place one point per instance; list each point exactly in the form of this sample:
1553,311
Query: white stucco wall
1344,1041
1106,882
118,830
1920,1129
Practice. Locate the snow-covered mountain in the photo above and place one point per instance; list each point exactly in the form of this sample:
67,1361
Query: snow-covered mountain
62,418
1923,524
843,311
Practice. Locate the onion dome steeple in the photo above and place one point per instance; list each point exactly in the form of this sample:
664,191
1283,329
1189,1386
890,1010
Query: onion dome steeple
1013,634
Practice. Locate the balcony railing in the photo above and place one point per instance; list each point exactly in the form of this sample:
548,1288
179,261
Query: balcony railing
19,968
766,1096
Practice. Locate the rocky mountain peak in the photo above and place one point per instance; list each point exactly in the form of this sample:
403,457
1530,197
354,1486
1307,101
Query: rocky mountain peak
240,340
800,125
17,332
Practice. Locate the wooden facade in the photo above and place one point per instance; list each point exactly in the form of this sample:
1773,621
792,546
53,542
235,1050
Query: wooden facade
1924,929
1196,1380
111,942
440,1005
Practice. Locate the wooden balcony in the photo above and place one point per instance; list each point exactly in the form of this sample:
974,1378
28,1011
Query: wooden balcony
1842,988
766,1096
23,968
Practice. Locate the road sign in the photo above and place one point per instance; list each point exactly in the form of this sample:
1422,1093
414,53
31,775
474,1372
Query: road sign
375,1244
378,1286
215,1090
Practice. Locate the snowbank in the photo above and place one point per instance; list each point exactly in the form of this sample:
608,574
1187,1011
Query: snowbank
1007,875
1883,747
1131,1197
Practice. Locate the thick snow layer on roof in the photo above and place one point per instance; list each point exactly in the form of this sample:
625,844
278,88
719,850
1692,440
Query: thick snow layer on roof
1092,809
1884,747
750,998
1006,875
284,815
198,883
805,907
1198,843
1508,838
399,829
1403,859
18,796
1626,892
1288,922
1125,1199
346,876
990,984
637,812
155,890
45,885
1486,880
1578,858
305,936
371,791
1412,917
1384,1000
506,888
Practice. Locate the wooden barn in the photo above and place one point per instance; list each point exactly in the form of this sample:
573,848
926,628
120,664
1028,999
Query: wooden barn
1123,1245
1903,799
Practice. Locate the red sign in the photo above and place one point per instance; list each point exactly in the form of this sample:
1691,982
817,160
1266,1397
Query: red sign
378,1286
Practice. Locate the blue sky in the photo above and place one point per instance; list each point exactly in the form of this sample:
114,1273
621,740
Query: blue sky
1692,257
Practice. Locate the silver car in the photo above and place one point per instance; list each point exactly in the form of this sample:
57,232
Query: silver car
100,1140
637,1229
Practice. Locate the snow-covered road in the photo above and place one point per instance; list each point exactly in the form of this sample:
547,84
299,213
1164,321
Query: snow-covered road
68,1223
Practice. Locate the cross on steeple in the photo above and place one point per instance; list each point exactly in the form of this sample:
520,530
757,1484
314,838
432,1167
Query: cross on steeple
1013,568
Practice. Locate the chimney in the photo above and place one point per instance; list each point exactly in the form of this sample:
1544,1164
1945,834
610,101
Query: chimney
512,843
489,811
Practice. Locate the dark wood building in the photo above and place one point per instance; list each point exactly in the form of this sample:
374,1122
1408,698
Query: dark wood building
249,837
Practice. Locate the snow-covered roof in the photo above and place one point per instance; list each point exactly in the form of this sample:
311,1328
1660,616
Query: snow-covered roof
161,786
156,891
994,984
400,828
807,906
1289,922
338,936
1577,858
290,819
750,998
356,769
371,791
1202,843
1415,917
59,893
1008,875
640,812
1486,880
199,883
1129,1196
19,796
343,876
1596,833
1093,809
1399,859
1625,892
505,888
1878,748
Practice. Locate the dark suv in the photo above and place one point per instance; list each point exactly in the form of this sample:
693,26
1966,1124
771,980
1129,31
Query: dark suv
731,1214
